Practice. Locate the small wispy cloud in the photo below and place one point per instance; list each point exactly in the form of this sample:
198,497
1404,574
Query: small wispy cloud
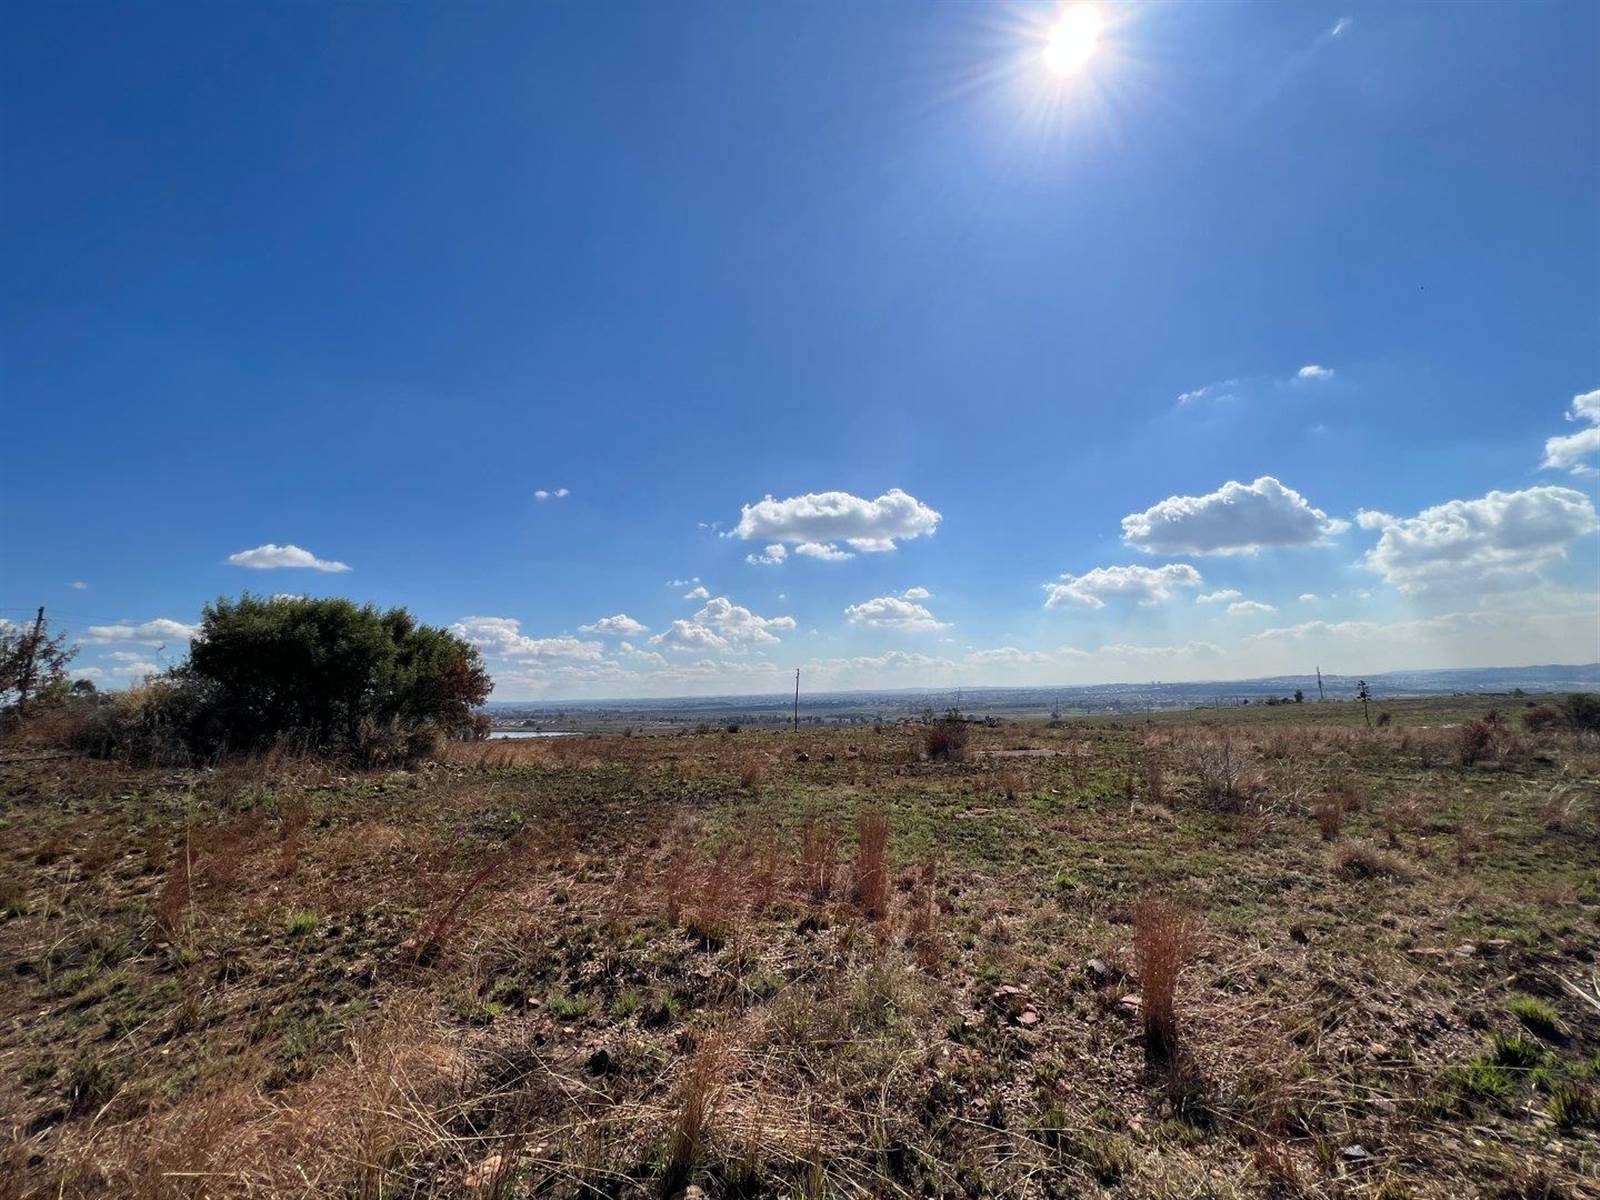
1341,27
1314,371
560,493
79,585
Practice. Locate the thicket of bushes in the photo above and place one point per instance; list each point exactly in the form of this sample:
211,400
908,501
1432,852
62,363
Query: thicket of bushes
1579,713
317,674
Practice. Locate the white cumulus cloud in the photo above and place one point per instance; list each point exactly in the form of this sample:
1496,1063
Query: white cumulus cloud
1142,585
1222,596
916,593
150,633
1237,518
869,526
502,637
892,612
272,556
1313,371
560,493
722,624
1504,539
689,635
697,593
770,557
621,624
1566,453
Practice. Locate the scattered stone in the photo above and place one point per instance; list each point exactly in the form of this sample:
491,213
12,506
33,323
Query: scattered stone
1355,1152
694,1192
1131,1004
481,1176
802,756
827,757
1099,974
1466,950
1009,1000
1028,1018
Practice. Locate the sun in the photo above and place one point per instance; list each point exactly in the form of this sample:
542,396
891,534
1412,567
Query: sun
1073,40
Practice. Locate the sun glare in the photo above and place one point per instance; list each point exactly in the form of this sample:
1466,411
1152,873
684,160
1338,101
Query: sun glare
1073,40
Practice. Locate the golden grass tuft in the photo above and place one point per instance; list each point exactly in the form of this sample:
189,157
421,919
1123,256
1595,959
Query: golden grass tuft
1163,942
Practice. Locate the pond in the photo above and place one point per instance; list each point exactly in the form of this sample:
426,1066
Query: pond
502,734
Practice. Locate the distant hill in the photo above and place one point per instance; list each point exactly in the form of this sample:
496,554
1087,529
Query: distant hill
1086,698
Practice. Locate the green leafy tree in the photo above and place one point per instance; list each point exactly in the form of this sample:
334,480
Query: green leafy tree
33,663
328,672
1364,694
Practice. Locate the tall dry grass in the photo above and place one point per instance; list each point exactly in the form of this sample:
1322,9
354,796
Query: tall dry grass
869,890
1164,938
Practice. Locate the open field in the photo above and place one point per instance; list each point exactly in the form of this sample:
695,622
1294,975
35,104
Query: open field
765,964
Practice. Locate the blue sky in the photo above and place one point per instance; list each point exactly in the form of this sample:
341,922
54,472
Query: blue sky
1285,301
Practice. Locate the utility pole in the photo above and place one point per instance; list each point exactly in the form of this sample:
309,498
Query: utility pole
797,699
25,676
1320,695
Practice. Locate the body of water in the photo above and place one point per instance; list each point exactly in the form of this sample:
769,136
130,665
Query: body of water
502,734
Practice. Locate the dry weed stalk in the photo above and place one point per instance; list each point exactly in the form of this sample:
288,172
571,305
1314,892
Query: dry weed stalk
697,1092
870,888
819,853
429,944
1163,942
1330,818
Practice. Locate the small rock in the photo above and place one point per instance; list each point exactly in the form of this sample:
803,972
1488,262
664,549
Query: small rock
1130,1003
1009,1000
694,1192
1466,950
802,756
1355,1152
484,1174
1098,972
1028,1018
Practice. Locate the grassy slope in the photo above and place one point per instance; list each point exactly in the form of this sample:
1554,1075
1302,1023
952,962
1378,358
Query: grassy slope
257,981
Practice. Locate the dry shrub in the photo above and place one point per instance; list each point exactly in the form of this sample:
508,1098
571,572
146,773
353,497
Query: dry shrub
1330,818
1155,779
1348,793
1163,942
1562,811
430,942
1010,782
1481,739
753,773
923,936
870,885
1223,773
1358,860
715,905
819,856
946,739
295,818
697,1093
765,875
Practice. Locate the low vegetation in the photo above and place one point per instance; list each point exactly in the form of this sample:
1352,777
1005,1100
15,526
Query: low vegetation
1224,955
